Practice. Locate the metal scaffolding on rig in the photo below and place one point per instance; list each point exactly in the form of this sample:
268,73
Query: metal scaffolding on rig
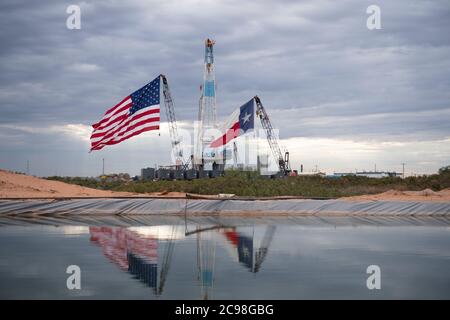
207,113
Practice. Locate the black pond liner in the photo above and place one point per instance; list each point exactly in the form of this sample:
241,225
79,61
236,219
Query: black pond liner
142,206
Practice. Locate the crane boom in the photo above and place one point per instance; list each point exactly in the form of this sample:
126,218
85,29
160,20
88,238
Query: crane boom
283,161
261,253
167,259
173,130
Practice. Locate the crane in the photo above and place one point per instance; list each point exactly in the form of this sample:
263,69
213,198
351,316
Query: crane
173,129
262,251
167,259
283,160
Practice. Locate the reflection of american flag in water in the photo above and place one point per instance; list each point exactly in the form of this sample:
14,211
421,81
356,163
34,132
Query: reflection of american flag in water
129,250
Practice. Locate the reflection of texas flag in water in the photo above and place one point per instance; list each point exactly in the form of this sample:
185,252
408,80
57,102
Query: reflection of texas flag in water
129,250
241,121
244,247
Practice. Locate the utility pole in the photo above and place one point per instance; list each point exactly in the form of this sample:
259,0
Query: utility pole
403,170
235,154
28,167
103,166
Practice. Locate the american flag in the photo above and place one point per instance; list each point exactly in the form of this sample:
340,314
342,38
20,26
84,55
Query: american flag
137,113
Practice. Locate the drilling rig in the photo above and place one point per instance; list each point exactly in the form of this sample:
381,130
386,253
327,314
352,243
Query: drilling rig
205,157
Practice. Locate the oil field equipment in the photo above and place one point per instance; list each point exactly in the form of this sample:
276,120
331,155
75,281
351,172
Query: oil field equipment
282,160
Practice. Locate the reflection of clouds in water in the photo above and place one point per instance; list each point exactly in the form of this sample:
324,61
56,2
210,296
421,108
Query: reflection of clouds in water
160,232
375,239
74,230
308,258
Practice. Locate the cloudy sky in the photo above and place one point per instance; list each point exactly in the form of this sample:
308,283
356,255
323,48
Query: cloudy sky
344,97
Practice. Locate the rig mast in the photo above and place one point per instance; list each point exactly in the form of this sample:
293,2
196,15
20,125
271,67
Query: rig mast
207,113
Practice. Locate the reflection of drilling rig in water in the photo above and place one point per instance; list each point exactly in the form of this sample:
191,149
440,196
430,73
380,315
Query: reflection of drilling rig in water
206,260
146,252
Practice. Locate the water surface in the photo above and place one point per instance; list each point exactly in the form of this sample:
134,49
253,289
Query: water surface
225,258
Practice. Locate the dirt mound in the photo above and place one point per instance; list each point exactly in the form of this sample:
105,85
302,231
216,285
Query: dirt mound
13,185
397,195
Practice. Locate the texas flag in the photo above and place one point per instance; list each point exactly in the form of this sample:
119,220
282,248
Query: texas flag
240,121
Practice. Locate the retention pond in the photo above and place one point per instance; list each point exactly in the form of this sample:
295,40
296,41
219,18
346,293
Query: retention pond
214,257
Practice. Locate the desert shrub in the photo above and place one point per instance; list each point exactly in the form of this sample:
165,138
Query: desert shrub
252,184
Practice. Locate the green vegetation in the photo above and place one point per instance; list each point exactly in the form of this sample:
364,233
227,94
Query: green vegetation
251,184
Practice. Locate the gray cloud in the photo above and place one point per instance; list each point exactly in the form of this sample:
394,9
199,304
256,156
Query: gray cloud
319,71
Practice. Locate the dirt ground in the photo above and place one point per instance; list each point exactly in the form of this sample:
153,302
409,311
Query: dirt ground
14,185
395,195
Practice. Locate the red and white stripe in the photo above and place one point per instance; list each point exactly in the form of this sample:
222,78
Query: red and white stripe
117,125
231,130
117,242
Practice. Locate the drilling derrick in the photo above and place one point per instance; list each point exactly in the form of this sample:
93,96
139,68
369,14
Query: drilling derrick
204,157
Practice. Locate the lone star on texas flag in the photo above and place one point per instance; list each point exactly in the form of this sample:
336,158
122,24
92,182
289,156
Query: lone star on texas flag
246,117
